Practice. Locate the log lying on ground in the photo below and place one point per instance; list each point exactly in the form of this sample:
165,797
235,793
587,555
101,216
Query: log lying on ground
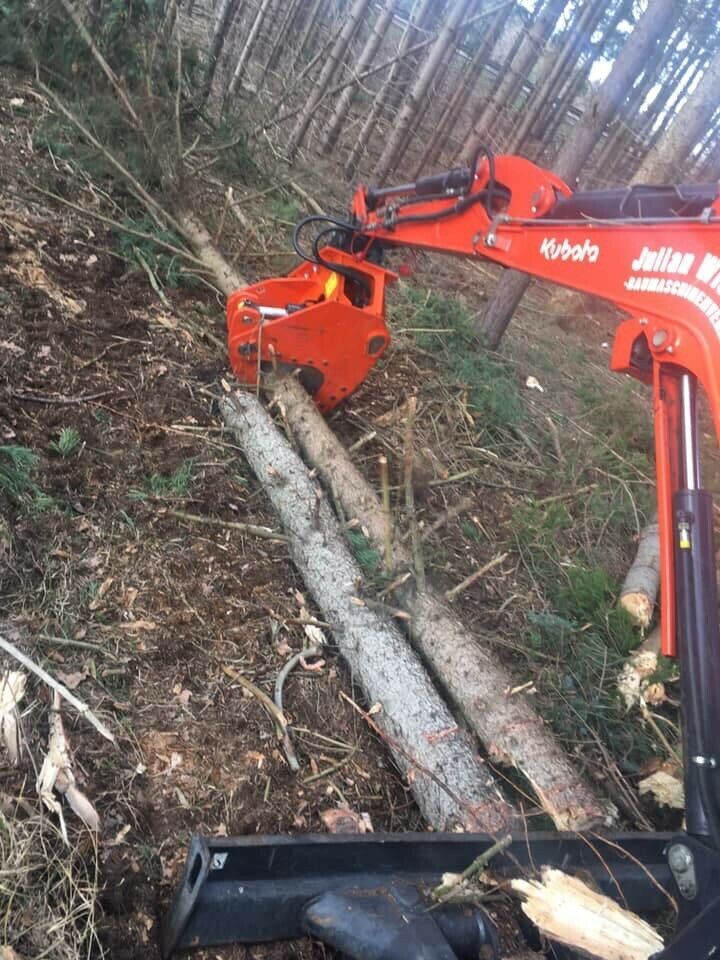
640,587
420,730
567,910
511,731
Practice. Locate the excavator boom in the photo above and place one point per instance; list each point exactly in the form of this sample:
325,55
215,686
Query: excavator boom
653,252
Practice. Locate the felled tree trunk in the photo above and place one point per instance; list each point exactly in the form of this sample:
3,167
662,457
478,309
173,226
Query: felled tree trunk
641,584
196,234
420,730
511,731
414,717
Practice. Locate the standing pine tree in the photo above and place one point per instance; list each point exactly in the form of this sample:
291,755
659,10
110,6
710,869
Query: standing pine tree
492,323
667,161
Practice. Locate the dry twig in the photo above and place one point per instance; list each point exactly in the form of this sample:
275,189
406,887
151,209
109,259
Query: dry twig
474,577
265,533
82,708
279,683
408,463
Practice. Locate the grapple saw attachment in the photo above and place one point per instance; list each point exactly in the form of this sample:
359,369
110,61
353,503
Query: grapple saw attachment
328,324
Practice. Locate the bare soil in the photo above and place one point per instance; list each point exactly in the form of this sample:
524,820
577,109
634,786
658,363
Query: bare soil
163,604
153,612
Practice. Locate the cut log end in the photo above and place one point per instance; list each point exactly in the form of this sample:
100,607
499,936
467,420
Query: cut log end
640,608
640,587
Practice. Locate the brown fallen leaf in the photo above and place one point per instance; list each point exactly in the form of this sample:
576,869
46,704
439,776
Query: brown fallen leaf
72,680
344,820
103,589
133,625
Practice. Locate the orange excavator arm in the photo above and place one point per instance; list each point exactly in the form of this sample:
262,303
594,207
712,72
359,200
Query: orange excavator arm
652,251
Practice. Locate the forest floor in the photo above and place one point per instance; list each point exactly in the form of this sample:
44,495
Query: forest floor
146,614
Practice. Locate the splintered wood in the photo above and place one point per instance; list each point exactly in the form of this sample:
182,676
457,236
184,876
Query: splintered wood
567,910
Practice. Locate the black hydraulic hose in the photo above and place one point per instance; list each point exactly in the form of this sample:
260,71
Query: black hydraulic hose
315,256
342,225
483,149
487,195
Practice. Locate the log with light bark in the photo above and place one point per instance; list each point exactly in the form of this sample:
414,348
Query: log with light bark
451,785
511,731
640,586
566,910
416,721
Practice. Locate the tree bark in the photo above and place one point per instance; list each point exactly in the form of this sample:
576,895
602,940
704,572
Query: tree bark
226,12
421,732
547,129
422,20
342,41
641,584
665,164
437,52
510,730
247,49
379,101
308,29
515,73
470,78
227,279
414,720
560,65
282,32
492,322
651,75
371,47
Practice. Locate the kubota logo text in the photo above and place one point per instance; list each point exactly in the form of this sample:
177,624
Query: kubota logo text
553,249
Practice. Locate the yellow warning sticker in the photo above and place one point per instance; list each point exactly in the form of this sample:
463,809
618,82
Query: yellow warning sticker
331,285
